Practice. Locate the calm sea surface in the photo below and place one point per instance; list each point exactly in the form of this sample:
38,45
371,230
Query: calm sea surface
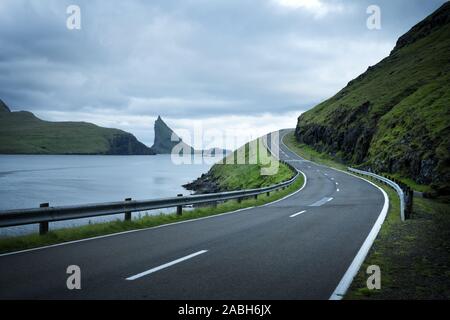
28,180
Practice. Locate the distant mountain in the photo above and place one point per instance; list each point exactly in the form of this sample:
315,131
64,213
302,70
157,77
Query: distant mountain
23,133
3,107
166,139
395,117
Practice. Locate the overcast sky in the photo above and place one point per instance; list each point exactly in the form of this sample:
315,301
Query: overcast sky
244,66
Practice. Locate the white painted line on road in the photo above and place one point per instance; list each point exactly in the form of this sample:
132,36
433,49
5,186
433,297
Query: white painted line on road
337,183
149,228
296,214
321,202
352,270
131,231
337,189
289,195
332,178
166,265
326,174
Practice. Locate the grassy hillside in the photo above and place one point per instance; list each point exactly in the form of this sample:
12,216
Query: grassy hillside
231,175
396,116
23,133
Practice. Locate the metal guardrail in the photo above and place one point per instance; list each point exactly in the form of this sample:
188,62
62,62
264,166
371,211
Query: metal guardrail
394,185
46,214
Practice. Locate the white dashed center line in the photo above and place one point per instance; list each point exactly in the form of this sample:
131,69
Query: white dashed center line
166,265
296,214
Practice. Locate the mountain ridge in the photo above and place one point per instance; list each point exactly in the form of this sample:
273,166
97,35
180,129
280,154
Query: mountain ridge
394,118
166,140
21,132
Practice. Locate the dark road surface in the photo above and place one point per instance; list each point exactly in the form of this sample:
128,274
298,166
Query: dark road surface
297,248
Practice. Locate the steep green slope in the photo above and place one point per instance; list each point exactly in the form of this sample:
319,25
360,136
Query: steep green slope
396,116
232,175
23,133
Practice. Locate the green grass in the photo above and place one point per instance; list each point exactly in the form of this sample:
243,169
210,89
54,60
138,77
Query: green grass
23,133
234,176
69,234
414,255
394,116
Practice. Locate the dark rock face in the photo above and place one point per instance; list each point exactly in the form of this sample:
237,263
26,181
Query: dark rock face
127,144
4,107
346,134
164,137
205,184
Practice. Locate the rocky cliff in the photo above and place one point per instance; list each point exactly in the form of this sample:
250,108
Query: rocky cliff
23,133
395,117
4,107
166,139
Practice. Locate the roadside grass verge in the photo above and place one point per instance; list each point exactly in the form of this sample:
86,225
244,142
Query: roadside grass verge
10,244
232,175
413,256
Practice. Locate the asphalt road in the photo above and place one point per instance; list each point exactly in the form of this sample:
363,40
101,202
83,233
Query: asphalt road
297,248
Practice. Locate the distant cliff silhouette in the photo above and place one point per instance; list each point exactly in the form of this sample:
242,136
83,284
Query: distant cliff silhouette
166,139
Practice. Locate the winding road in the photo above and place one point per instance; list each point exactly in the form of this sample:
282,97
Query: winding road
301,247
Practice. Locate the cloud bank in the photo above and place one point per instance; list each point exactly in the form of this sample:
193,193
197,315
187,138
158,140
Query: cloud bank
229,64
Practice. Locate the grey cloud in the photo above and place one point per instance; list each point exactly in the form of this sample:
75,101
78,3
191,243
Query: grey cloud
189,59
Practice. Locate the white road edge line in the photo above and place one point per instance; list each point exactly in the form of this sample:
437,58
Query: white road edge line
296,214
122,233
354,267
151,228
337,189
289,195
166,265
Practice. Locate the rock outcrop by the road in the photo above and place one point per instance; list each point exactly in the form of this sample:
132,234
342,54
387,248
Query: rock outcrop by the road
206,183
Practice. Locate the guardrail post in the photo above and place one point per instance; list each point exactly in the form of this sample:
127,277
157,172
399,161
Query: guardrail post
179,208
409,195
239,200
128,213
43,226
256,196
268,194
